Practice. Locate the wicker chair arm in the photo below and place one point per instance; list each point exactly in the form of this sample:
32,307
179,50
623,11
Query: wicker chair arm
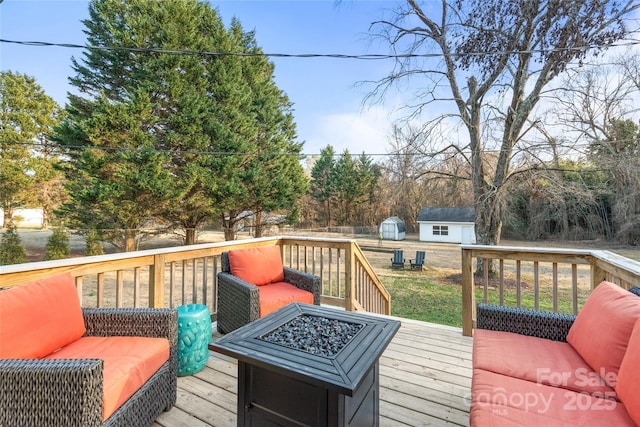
239,286
51,392
238,302
305,281
541,324
140,322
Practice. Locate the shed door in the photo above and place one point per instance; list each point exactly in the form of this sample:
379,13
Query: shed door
388,230
468,235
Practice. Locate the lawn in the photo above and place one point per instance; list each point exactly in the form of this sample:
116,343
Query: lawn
417,296
420,298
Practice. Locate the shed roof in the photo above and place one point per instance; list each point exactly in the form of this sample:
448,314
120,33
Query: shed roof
395,219
462,214
400,225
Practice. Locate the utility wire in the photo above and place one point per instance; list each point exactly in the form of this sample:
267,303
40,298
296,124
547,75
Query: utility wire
308,55
573,147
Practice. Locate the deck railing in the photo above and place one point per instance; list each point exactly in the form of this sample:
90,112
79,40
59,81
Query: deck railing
557,280
348,278
174,276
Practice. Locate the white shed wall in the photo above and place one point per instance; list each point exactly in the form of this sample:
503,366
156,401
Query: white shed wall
389,231
458,232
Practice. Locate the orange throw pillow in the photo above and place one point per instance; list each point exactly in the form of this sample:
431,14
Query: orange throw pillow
259,266
39,317
628,387
600,333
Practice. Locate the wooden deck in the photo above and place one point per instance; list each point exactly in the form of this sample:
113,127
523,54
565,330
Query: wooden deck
425,379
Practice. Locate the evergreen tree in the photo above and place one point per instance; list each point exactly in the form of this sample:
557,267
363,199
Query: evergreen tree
119,185
57,245
347,189
144,119
163,135
368,176
93,244
323,186
27,116
271,178
11,249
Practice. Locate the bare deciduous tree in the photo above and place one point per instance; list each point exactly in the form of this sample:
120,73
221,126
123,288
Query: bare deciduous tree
597,106
494,59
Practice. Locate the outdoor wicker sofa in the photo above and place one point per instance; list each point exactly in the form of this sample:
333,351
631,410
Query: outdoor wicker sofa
534,368
38,388
253,282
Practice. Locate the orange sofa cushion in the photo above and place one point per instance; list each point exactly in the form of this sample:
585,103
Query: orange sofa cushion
536,360
601,331
39,318
128,363
500,400
277,295
628,386
259,266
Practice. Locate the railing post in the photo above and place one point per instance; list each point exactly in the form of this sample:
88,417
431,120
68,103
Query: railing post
280,243
349,275
78,281
468,294
156,282
597,273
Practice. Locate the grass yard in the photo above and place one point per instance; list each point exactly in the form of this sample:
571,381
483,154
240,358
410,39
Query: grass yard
435,294
423,299
417,296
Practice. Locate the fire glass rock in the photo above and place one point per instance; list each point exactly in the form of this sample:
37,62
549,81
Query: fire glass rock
313,334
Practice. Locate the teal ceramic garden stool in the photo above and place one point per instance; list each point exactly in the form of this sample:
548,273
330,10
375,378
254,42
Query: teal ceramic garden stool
194,334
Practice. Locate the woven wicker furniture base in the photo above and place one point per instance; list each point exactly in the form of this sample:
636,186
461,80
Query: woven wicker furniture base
68,392
239,300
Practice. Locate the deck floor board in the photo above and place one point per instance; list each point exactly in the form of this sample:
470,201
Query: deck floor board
425,380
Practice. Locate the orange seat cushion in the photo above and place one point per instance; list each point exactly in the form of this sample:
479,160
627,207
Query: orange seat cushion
628,386
259,266
500,400
278,295
128,363
601,331
39,317
537,360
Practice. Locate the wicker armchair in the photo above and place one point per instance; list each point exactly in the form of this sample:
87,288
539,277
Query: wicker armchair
239,300
68,392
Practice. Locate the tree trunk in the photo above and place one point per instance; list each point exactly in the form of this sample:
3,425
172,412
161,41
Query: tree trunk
328,212
258,224
488,219
190,236
229,228
45,218
8,216
229,232
130,240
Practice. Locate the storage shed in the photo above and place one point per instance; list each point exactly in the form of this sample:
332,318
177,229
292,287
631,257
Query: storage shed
393,228
451,225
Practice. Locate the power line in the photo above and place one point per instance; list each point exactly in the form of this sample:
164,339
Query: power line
574,147
310,55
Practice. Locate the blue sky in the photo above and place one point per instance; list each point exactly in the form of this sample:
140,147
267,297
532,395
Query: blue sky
328,106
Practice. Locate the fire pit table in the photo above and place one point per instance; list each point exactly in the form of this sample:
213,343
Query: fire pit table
309,365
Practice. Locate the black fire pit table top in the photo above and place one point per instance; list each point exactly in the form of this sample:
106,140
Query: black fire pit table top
341,371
